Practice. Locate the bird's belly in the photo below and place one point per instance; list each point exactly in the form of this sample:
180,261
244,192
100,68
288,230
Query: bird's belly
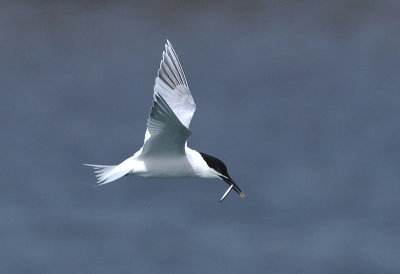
167,167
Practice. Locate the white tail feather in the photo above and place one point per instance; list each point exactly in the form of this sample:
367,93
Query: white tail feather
108,174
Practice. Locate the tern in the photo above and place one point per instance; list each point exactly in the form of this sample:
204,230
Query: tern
165,153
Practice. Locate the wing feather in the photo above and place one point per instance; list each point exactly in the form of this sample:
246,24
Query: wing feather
167,134
172,110
172,85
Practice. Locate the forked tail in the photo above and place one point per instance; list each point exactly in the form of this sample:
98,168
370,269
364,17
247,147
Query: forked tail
108,174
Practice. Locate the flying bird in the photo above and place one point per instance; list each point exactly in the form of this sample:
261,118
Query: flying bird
165,153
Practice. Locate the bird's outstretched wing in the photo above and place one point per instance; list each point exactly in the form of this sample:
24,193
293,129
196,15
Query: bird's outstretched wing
173,108
171,84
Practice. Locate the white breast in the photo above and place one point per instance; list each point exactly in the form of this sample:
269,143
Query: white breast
191,164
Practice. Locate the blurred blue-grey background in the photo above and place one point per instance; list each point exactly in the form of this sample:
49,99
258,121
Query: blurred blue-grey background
299,98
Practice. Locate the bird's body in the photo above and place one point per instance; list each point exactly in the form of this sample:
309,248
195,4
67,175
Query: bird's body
165,153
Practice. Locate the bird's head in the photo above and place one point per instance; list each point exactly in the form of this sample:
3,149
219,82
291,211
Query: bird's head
222,172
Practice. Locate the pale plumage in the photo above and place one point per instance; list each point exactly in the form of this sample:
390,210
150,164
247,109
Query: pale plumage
165,152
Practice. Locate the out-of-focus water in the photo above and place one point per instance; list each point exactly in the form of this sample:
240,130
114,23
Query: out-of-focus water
300,100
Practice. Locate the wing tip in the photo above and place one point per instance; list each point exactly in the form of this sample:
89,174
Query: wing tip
168,45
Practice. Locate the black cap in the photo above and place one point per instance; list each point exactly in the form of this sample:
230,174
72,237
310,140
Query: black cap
221,168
